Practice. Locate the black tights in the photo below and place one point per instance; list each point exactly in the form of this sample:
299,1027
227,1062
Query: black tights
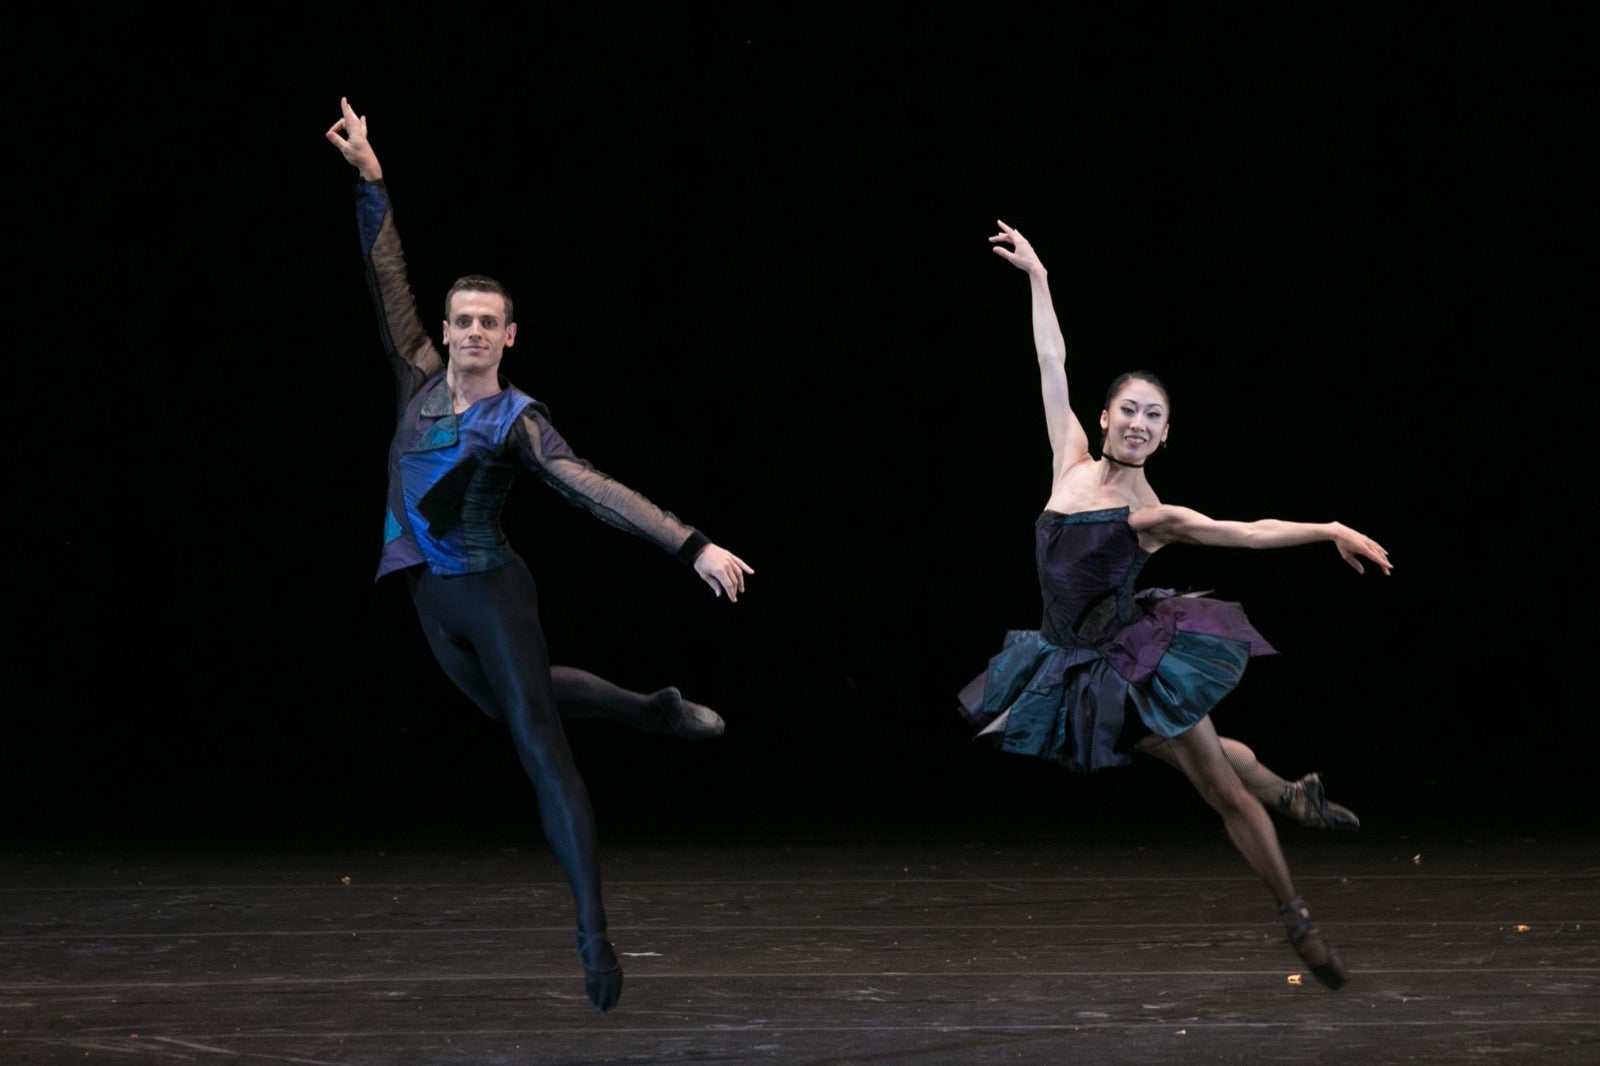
484,630
580,694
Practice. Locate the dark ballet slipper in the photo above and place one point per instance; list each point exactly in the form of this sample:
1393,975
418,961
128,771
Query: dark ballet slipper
1315,809
685,718
602,972
1311,945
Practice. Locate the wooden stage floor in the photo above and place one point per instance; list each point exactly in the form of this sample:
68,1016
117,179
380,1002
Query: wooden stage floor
858,947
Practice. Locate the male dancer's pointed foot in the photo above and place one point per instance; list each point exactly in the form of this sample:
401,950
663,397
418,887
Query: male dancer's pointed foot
685,718
602,973
1314,949
1303,801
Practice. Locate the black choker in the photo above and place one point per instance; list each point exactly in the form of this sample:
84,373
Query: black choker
1108,457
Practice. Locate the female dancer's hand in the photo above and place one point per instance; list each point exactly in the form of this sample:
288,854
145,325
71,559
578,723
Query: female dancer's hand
722,570
1021,254
1353,547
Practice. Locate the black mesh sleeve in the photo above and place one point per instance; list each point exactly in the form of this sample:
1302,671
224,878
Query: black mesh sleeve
547,454
410,348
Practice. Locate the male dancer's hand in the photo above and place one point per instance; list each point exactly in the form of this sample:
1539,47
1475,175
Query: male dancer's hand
722,570
349,135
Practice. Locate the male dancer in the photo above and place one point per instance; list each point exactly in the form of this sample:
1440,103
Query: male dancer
463,434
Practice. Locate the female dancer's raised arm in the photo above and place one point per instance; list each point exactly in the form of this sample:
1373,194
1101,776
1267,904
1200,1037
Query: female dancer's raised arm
1069,444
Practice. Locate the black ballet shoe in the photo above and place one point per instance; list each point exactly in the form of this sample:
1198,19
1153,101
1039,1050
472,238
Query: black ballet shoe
1316,811
685,718
602,973
1308,942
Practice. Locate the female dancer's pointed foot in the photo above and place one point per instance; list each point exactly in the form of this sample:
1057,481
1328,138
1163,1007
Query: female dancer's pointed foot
1303,801
1314,949
602,973
685,718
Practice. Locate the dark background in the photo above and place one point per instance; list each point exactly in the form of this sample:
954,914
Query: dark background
750,262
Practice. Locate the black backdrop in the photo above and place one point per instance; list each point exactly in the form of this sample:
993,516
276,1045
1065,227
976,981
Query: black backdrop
749,252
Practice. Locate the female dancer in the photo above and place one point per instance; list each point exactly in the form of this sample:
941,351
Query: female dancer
1066,692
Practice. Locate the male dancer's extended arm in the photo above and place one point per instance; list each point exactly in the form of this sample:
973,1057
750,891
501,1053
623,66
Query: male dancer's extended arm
549,456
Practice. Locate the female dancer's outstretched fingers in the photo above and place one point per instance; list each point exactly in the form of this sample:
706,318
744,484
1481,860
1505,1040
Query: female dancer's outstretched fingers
1020,254
1353,547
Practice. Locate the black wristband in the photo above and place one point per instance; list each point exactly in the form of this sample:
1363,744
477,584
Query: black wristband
693,546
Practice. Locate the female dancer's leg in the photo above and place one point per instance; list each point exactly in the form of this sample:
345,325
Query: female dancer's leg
1199,754
1300,801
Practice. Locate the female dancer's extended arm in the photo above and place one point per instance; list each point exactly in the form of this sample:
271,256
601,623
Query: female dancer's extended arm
1183,525
1068,442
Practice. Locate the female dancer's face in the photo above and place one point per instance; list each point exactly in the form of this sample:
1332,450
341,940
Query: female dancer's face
1136,422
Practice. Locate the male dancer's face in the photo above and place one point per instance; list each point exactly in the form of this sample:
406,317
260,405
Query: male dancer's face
477,333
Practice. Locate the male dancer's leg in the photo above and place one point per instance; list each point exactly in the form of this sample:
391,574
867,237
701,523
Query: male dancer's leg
491,619
580,694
